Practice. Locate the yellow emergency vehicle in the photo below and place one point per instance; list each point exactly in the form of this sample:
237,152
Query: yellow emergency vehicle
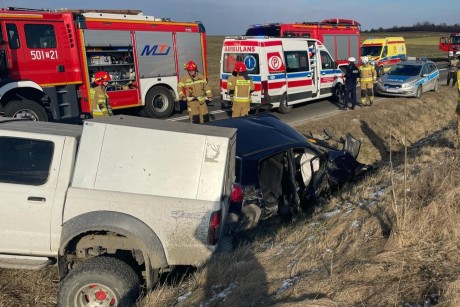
384,52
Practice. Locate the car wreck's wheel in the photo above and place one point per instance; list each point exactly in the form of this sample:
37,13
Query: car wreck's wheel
100,281
284,108
418,93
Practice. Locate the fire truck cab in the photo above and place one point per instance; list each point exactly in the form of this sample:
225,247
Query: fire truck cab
285,71
48,60
450,44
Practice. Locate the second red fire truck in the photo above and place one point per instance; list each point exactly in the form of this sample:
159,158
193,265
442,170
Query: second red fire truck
48,60
340,36
450,44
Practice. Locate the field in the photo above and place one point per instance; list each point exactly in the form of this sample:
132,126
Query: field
388,240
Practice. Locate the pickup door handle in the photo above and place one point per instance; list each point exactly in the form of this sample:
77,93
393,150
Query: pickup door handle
36,199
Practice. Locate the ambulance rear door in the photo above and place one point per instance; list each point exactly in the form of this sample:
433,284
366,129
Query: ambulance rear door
299,76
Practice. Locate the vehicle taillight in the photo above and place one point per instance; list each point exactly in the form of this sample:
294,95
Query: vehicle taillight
237,195
214,224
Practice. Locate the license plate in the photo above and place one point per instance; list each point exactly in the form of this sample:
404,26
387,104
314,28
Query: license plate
392,90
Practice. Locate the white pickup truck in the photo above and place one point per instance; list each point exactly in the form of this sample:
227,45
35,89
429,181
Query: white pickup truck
113,202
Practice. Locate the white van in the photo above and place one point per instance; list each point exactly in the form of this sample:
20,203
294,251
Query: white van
285,71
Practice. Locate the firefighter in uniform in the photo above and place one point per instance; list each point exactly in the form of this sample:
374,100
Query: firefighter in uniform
99,100
194,89
453,68
240,88
351,77
367,77
458,108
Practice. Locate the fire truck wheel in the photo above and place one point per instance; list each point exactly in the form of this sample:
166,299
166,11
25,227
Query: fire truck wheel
159,103
26,109
284,108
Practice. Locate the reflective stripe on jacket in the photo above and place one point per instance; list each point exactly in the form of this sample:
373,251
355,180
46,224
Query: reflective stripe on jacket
240,88
98,98
193,88
367,73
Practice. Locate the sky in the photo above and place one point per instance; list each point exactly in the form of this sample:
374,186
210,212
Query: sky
233,17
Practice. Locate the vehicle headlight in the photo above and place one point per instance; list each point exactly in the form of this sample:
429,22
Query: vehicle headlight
379,82
408,84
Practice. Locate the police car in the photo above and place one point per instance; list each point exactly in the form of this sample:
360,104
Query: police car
409,78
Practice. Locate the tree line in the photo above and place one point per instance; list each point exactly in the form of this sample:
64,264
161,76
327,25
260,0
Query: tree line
419,26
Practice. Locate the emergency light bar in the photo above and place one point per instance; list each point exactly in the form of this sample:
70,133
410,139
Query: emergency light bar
413,58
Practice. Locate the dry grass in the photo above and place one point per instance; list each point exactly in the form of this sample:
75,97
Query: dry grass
349,249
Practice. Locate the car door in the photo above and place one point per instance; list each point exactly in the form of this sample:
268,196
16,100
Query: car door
28,178
298,75
47,52
328,73
426,83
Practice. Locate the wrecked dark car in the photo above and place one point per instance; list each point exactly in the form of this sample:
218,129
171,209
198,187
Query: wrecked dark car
279,170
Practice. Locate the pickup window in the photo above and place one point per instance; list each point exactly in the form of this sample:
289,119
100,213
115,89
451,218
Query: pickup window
25,161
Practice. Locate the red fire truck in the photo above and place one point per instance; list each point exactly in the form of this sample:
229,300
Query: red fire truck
451,44
340,36
48,60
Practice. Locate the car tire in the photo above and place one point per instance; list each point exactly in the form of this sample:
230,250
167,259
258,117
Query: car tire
101,281
436,85
159,103
26,109
283,107
419,92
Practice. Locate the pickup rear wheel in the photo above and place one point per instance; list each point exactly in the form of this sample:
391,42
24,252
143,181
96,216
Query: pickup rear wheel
159,103
26,109
284,108
100,281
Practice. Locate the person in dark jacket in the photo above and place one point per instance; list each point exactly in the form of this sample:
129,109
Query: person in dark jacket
351,77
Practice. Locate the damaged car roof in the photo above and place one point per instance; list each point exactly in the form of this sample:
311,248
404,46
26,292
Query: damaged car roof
261,133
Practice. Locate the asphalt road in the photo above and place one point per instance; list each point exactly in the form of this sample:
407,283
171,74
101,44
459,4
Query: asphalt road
300,112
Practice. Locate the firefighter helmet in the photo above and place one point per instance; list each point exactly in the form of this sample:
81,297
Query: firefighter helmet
239,67
364,59
351,59
190,66
101,77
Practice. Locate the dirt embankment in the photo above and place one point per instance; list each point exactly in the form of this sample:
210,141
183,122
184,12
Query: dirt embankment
389,240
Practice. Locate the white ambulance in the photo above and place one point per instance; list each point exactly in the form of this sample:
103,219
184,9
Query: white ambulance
285,71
